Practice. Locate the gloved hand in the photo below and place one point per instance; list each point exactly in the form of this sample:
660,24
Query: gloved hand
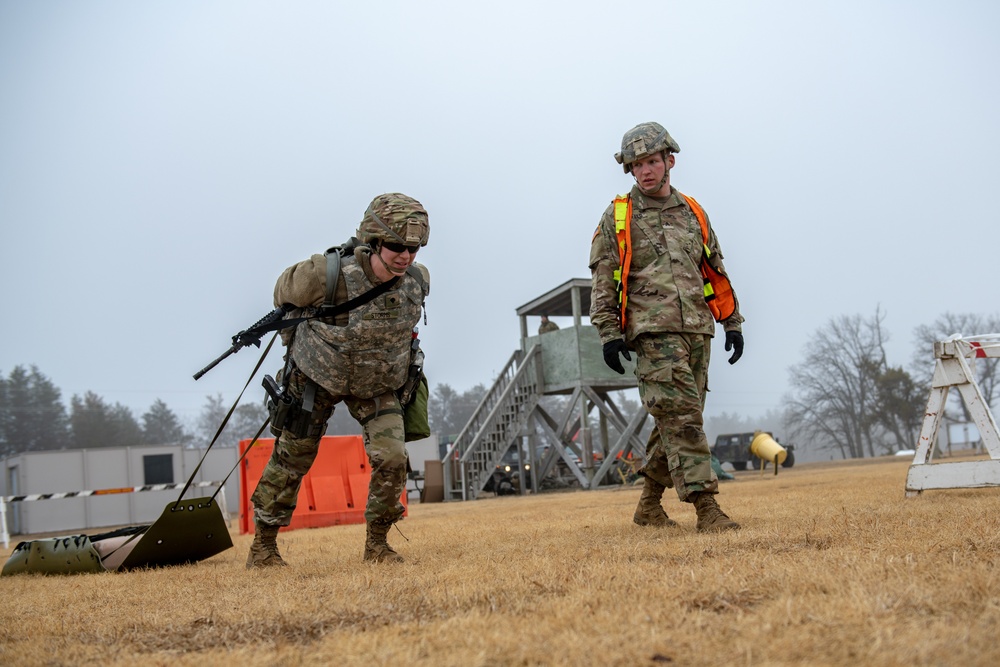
734,340
611,351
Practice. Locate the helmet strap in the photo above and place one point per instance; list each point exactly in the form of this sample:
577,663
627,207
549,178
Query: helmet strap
656,188
386,227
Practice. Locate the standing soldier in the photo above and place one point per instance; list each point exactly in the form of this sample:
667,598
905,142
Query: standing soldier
360,357
547,325
658,287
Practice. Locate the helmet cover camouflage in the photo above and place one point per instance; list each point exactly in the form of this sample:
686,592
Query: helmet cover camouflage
395,218
642,140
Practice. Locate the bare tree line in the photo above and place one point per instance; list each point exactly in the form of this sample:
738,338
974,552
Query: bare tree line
847,397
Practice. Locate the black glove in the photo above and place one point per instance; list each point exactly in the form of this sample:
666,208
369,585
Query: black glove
734,340
611,351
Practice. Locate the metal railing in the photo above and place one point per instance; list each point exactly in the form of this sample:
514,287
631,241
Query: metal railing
499,419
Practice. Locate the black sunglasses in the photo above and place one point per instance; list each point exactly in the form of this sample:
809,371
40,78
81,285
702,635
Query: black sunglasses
399,247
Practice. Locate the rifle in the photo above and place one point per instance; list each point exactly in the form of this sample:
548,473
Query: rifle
249,336
273,321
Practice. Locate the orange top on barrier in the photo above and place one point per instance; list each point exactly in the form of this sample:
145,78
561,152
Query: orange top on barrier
333,492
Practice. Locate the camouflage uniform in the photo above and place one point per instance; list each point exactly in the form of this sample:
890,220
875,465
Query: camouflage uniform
668,325
361,358
367,388
546,326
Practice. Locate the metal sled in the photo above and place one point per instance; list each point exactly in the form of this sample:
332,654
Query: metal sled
188,531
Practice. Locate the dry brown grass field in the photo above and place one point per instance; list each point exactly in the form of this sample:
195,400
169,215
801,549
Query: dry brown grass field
833,566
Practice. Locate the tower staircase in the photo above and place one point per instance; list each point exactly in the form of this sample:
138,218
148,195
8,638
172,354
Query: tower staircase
566,362
497,423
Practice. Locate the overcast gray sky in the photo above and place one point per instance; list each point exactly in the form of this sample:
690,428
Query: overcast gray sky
162,162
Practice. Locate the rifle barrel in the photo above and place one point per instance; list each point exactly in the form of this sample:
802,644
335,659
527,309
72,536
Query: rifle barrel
247,337
234,348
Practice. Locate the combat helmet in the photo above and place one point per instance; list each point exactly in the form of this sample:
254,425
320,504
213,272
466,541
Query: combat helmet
642,140
395,218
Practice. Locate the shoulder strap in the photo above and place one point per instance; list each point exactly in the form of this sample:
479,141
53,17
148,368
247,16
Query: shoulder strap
415,273
332,274
699,213
718,290
329,311
359,300
623,237
333,256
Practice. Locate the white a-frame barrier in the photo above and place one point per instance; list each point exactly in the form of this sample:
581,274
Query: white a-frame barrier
954,367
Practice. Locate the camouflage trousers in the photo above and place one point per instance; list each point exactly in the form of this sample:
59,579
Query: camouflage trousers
672,370
381,419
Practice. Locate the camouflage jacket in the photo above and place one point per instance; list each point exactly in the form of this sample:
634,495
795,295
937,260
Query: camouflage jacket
665,287
367,355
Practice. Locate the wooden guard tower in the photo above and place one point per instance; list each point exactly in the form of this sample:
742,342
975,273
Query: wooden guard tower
568,361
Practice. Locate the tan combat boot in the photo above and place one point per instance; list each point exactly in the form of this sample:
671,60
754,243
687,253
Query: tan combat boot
711,518
264,550
650,511
376,547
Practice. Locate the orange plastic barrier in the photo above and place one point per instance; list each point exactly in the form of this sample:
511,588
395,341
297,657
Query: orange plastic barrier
334,491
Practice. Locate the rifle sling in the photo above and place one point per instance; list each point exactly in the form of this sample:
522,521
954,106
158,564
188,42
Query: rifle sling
222,426
257,332
329,311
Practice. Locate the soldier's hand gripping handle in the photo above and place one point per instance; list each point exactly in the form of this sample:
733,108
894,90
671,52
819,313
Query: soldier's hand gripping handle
611,351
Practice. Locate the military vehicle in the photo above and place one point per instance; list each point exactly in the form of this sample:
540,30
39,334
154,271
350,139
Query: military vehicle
734,448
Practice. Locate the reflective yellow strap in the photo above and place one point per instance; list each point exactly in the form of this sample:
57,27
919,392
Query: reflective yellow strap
621,212
708,253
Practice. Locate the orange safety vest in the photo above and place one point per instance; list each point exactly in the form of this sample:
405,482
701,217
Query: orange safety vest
718,290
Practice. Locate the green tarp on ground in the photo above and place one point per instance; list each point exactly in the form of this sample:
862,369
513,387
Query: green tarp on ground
719,472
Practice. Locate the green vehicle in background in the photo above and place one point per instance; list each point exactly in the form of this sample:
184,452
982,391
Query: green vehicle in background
734,449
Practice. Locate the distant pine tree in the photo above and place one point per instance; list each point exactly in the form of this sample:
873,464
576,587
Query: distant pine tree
32,417
160,426
94,423
242,425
